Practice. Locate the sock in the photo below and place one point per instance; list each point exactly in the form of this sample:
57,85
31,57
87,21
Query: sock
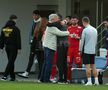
96,80
89,79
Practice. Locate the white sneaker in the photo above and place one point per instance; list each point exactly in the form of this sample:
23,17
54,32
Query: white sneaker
25,74
38,81
106,84
96,83
53,80
88,83
61,83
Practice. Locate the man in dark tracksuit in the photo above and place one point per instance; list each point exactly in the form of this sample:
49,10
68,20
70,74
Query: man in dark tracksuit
36,49
62,46
105,33
11,40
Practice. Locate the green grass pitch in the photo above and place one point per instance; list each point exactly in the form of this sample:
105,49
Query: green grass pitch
21,85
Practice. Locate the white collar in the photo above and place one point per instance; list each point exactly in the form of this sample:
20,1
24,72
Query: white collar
37,20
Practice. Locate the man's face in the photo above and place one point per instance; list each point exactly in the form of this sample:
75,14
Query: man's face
106,23
35,16
68,20
74,21
83,23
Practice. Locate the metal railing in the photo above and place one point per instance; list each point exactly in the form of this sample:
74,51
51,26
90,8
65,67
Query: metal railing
100,37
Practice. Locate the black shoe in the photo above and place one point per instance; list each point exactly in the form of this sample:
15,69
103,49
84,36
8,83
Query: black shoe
24,75
61,82
12,79
4,78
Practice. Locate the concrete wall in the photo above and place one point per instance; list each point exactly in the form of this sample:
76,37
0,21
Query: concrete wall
65,8
45,2
89,7
105,6
23,9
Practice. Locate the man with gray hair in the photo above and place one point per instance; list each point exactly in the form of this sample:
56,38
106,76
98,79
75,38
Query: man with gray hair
50,45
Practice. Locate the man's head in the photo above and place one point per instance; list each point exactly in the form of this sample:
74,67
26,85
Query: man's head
60,17
106,22
62,22
36,14
53,18
68,19
85,21
74,20
13,18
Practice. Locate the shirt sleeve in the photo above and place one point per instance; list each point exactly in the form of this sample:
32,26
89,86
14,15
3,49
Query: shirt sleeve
82,41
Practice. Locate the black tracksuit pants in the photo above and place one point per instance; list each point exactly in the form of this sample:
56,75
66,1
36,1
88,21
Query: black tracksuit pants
40,57
11,55
62,62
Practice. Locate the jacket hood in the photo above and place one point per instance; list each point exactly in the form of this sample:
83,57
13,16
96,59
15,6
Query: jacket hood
55,24
10,23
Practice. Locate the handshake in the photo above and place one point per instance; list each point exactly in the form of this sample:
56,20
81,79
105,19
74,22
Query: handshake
64,22
73,35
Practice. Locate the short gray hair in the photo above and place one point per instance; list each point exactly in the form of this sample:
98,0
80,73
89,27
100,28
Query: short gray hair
86,19
52,16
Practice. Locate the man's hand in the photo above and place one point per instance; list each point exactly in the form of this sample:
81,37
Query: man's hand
107,39
75,36
19,51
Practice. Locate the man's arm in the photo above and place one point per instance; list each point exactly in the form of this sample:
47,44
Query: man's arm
57,32
82,41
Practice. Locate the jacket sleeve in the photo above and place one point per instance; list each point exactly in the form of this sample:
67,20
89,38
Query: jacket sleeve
57,32
1,40
18,39
31,31
82,41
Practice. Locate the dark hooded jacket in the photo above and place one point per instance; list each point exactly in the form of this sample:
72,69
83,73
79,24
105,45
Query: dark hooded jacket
105,35
10,36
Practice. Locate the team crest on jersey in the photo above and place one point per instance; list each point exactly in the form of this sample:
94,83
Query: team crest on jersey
7,31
